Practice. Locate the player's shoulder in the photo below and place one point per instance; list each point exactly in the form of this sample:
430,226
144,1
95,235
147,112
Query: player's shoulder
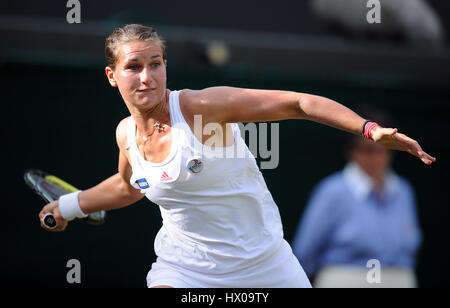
202,96
189,101
121,132
203,101
188,95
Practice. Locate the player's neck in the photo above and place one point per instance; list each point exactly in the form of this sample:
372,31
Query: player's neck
147,118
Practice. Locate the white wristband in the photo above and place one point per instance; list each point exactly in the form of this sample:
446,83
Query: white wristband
70,207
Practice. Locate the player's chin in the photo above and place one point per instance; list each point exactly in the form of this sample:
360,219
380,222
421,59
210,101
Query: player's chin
144,98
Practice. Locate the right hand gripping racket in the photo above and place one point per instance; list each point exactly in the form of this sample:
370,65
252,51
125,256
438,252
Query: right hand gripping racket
50,188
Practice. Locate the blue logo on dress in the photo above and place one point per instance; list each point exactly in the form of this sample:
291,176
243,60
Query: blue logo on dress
143,184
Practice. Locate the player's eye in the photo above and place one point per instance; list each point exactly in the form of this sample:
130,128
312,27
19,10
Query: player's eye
132,67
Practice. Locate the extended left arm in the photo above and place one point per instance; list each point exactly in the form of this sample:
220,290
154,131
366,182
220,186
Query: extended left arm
326,111
231,105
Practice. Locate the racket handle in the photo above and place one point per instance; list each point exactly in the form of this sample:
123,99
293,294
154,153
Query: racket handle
49,221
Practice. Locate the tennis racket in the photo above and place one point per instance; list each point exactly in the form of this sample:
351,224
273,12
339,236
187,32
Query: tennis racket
50,188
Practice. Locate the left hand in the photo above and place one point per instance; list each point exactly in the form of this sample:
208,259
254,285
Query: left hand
391,139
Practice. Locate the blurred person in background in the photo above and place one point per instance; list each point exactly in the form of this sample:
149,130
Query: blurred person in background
412,21
365,211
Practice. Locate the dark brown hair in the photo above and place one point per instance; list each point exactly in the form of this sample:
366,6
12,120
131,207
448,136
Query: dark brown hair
128,33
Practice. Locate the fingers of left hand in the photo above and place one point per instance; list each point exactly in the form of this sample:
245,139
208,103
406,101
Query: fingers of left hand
426,158
415,149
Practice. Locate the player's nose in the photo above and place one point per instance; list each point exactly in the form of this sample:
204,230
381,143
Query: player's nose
146,76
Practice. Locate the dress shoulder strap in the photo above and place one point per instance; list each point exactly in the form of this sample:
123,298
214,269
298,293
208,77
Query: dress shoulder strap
175,110
131,132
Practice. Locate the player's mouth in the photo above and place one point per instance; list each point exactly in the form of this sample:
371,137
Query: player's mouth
145,90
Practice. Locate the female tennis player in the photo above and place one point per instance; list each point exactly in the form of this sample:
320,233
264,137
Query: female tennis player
221,226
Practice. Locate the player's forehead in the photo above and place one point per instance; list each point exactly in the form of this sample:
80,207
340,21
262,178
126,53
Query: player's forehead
139,50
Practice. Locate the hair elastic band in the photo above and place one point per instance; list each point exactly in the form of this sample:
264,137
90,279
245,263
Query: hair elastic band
367,129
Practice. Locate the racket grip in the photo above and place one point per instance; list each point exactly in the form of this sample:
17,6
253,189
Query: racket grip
49,221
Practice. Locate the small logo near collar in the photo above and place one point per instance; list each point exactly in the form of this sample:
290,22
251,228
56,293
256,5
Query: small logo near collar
195,165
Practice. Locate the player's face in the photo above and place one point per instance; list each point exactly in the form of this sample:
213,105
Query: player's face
141,73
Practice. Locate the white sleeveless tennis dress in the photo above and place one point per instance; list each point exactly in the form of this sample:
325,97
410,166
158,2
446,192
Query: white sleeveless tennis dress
220,224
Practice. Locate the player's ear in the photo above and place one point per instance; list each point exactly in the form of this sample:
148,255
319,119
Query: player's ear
110,75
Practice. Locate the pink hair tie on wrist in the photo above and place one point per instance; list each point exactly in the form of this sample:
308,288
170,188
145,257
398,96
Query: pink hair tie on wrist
367,128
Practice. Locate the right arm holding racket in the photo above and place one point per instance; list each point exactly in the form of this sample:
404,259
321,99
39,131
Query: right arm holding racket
113,193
